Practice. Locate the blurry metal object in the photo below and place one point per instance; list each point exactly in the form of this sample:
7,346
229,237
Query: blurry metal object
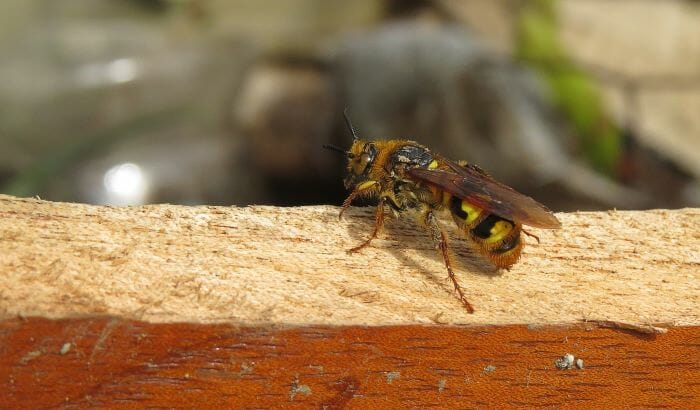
90,82
50,169
121,70
125,184
164,165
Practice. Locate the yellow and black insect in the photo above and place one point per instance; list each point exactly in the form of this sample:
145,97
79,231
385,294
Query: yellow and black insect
409,178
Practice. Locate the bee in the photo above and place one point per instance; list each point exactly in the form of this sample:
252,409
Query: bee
410,179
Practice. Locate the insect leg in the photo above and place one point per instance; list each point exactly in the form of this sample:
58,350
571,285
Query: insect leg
531,235
440,239
378,223
347,203
362,190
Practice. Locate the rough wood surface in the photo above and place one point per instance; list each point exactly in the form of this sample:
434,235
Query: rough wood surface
262,264
107,362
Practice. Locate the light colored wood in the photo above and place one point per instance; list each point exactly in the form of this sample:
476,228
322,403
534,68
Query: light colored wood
262,264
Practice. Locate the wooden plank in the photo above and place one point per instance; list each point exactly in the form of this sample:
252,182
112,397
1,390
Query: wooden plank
260,265
95,362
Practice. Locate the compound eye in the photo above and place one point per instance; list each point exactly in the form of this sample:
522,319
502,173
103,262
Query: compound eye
361,163
364,159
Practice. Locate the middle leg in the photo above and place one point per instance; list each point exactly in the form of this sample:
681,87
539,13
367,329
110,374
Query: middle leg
440,239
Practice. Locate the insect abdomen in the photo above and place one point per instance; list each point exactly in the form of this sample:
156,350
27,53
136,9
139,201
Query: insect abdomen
497,238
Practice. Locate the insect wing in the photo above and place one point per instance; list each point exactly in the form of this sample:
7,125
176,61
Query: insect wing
473,185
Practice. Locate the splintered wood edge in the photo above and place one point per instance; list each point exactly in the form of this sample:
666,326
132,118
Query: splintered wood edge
289,266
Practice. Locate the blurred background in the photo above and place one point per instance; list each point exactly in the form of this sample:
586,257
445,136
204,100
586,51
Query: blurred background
582,104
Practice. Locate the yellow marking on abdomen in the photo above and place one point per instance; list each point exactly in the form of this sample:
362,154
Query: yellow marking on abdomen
461,209
472,212
499,230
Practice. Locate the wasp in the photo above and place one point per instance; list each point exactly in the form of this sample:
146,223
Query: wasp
410,179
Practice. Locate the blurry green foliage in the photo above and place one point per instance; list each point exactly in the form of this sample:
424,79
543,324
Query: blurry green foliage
574,93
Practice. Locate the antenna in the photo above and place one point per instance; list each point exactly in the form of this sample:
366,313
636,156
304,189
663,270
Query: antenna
349,124
336,149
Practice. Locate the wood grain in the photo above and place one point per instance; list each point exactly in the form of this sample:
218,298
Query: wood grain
128,364
261,265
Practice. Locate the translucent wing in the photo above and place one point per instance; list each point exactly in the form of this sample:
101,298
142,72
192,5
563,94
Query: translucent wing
473,185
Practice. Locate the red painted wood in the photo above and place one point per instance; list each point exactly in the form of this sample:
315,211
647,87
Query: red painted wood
120,363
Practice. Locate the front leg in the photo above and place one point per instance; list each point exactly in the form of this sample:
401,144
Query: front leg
378,224
440,239
366,188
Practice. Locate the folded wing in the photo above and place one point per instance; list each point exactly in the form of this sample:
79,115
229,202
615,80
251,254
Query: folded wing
470,183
